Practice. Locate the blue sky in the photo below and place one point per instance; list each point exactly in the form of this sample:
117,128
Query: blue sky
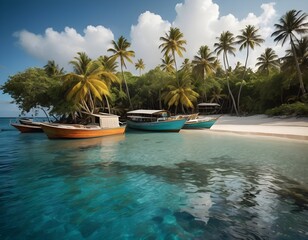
35,31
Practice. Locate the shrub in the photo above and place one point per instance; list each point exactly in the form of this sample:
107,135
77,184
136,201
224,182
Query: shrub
295,109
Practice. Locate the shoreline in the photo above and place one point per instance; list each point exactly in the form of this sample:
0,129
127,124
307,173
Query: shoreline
262,125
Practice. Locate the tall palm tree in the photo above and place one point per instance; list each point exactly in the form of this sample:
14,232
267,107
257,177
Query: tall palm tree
205,61
268,61
139,65
167,64
120,50
225,45
180,93
249,38
173,42
109,63
53,69
86,88
291,24
80,64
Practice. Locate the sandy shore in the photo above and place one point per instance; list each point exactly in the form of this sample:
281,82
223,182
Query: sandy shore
286,127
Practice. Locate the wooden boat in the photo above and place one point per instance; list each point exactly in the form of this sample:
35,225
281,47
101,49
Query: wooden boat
101,125
24,128
154,120
194,122
29,121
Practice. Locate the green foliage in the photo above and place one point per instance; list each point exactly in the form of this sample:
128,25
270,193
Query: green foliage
294,109
31,89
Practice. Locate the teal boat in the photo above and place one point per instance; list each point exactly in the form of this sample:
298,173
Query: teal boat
194,122
154,120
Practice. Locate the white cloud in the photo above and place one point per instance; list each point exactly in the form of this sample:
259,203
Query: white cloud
199,20
63,46
145,38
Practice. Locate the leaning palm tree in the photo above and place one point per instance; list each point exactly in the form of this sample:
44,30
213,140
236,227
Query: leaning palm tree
291,24
173,43
139,65
167,64
85,89
120,50
248,39
225,45
268,61
180,93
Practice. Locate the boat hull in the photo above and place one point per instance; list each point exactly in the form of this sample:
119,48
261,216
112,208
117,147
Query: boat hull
64,132
199,124
159,126
27,128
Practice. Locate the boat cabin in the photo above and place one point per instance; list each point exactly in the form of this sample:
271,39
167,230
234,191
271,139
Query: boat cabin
208,108
104,120
142,115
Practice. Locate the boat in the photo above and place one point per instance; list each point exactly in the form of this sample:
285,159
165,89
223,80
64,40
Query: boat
25,128
29,121
154,120
100,125
195,122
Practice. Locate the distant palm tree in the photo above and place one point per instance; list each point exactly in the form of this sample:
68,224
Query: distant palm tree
109,63
268,61
80,64
167,64
186,64
291,24
225,45
248,39
180,93
139,65
120,50
52,69
85,88
205,61
173,42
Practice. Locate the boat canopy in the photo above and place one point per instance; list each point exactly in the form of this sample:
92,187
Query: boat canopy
146,111
105,120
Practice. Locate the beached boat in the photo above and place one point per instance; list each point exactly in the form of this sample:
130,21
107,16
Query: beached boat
100,125
25,128
195,122
154,120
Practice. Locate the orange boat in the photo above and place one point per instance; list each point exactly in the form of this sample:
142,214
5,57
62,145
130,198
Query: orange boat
24,128
101,125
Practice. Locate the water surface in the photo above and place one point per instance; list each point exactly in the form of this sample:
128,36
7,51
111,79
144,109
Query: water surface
187,185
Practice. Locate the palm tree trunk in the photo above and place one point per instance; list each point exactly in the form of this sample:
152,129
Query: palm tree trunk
244,74
225,58
299,73
127,90
108,105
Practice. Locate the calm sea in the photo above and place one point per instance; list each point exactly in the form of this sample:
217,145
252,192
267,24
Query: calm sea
187,185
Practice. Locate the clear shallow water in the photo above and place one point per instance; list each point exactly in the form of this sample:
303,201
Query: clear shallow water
187,185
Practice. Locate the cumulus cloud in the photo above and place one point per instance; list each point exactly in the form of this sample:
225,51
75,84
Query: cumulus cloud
199,20
63,46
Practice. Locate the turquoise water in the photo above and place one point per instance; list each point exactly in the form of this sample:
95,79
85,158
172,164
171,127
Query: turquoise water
187,185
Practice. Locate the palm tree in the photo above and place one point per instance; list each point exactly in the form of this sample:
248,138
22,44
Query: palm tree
110,65
291,24
52,69
225,45
139,65
173,42
248,39
167,64
180,92
205,62
186,64
120,50
86,88
268,61
80,64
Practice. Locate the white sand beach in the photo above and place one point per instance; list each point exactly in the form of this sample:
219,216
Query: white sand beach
286,127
